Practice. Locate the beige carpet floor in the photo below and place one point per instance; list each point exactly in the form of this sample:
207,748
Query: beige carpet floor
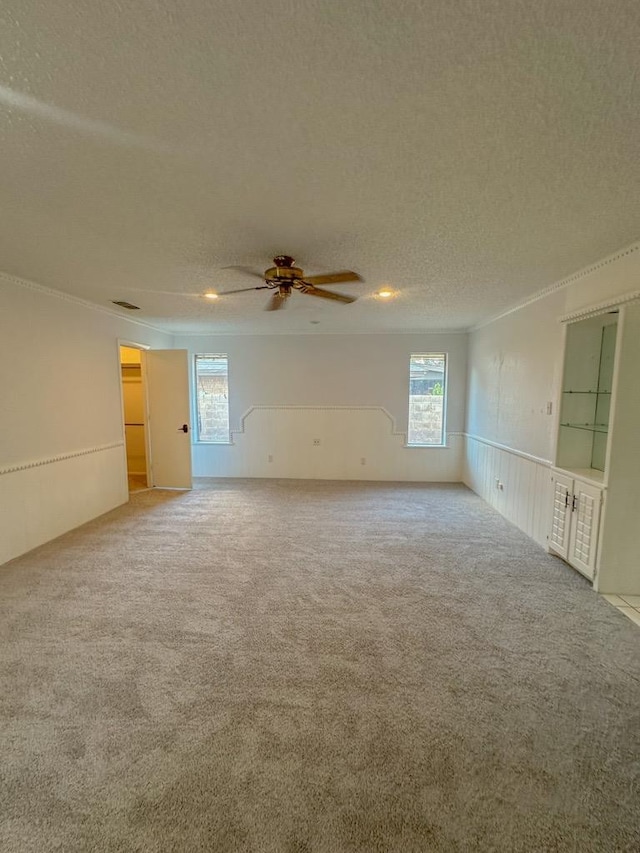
312,667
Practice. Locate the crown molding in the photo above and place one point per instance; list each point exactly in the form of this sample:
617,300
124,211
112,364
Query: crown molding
601,307
75,300
561,284
541,294
304,334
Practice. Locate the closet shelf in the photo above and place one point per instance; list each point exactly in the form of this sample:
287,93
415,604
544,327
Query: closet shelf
599,393
604,428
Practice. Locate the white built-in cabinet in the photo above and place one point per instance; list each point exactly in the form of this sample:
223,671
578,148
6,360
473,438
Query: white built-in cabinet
575,521
595,514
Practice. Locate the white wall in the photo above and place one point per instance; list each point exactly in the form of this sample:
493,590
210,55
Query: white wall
619,545
515,369
62,459
286,391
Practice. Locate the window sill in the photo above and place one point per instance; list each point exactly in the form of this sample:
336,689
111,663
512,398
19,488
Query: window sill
213,443
427,446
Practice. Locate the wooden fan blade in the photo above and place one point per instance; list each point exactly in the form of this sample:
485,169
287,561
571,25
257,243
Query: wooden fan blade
328,294
245,290
333,277
246,270
276,302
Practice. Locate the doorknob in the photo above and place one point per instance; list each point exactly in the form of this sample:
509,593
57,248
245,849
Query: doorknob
184,428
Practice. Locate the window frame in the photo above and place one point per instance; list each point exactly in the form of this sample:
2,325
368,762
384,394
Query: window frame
445,394
199,439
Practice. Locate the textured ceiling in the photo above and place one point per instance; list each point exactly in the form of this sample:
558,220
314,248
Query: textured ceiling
466,154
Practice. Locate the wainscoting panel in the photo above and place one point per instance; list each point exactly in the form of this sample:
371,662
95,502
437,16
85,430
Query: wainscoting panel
514,483
42,499
326,443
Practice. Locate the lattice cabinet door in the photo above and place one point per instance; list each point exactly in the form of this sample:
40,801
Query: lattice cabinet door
560,516
583,542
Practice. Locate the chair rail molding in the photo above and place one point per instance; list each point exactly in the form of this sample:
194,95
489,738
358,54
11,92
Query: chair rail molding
61,457
275,408
537,459
333,442
394,430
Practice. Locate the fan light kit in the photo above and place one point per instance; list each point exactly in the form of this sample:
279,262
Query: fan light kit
285,277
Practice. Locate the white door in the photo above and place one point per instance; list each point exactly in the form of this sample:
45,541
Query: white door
166,375
585,522
561,515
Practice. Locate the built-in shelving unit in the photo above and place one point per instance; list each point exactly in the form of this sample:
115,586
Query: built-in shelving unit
595,503
583,434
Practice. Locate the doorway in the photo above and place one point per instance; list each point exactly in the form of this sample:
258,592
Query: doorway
134,411
156,415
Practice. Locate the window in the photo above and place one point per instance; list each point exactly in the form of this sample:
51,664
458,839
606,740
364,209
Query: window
427,385
212,398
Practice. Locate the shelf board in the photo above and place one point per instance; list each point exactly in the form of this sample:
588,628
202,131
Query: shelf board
598,393
593,475
604,428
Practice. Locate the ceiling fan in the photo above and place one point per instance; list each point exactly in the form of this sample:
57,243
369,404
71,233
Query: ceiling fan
285,276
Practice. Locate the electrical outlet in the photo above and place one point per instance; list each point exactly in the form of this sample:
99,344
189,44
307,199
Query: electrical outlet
270,458
363,460
316,442
550,408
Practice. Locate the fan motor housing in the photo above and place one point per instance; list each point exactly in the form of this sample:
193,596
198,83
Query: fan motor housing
283,273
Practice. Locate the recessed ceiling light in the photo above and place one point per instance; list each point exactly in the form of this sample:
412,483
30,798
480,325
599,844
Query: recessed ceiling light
210,295
384,294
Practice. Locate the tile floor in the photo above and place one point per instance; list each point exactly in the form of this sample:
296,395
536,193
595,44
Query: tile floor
627,604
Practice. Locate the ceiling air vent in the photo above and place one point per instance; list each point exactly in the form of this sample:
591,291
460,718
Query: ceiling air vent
126,305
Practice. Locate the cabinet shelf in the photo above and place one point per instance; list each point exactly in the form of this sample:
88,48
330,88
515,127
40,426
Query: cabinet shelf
598,393
603,428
